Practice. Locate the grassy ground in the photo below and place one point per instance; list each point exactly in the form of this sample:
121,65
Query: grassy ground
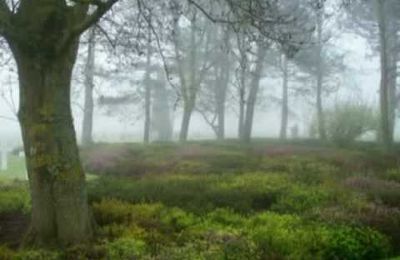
209,200
16,170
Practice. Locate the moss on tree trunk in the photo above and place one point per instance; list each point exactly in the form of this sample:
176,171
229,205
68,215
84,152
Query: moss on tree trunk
60,213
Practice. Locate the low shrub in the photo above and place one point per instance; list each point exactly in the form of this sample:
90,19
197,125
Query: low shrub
14,197
355,243
347,121
126,248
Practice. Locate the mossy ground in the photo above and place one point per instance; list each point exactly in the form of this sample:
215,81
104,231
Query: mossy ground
210,200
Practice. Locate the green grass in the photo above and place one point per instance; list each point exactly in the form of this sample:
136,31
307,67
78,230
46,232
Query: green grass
225,200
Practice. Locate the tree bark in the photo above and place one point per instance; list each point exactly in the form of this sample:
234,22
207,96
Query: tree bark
60,211
285,100
252,99
44,38
87,125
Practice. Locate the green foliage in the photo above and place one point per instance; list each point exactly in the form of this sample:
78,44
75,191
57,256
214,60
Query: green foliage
37,255
224,201
355,243
6,253
348,121
224,234
196,193
300,199
14,197
392,175
125,248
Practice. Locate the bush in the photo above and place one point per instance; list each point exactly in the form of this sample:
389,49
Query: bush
288,236
6,253
125,248
14,197
348,121
37,255
355,243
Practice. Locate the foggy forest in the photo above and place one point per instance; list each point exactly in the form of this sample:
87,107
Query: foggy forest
199,129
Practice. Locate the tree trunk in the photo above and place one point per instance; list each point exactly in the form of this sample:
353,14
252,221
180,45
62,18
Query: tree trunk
87,125
242,108
393,57
320,79
221,120
161,118
386,136
252,99
187,114
60,213
242,93
285,105
147,103
221,89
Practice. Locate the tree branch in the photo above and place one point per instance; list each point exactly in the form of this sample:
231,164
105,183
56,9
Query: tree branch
89,20
5,15
81,9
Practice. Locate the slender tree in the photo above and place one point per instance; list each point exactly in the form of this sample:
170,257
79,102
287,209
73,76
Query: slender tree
253,92
88,109
285,98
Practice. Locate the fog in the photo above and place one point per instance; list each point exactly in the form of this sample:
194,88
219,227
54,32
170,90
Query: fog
120,70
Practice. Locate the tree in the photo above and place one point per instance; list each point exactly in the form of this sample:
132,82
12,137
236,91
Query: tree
321,62
191,66
253,91
378,22
213,97
43,37
285,98
88,109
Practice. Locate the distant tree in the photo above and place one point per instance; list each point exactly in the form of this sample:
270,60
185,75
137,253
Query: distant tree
213,96
89,72
321,61
192,61
379,23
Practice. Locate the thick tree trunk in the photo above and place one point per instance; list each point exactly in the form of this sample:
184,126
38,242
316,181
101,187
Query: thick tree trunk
60,213
252,99
87,125
285,100
386,135
320,79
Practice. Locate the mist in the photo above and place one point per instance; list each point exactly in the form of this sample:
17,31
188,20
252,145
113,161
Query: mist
198,129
